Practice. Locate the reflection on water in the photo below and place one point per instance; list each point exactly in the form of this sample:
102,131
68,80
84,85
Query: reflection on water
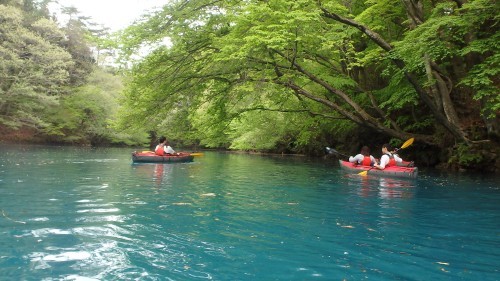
158,173
396,188
85,214
382,187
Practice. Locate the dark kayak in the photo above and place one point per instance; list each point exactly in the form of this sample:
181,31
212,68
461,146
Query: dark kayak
391,171
151,157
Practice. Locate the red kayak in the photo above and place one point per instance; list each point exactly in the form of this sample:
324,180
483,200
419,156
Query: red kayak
391,171
151,157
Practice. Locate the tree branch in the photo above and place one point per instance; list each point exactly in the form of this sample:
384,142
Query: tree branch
453,128
261,108
358,110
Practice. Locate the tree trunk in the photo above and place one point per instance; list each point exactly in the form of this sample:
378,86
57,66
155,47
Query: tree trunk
414,10
453,128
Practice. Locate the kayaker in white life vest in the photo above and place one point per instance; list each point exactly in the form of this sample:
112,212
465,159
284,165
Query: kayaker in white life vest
163,148
388,157
363,158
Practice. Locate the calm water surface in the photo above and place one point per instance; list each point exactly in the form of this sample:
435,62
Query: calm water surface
90,214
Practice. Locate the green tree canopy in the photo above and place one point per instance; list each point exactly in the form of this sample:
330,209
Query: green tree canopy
49,83
33,70
423,69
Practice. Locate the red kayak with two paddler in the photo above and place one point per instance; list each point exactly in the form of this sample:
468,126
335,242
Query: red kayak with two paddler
402,170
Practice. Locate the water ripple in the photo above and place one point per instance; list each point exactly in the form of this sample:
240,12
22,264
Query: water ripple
236,217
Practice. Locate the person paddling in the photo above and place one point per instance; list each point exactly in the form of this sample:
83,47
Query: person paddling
363,158
388,158
163,148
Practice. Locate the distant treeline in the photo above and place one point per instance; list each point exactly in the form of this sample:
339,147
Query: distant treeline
52,88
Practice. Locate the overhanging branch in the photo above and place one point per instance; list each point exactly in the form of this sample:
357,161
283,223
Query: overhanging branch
453,128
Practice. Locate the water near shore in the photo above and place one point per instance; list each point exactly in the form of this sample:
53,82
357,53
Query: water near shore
90,214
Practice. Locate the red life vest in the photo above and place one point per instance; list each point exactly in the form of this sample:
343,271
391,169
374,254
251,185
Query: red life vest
367,161
159,151
392,161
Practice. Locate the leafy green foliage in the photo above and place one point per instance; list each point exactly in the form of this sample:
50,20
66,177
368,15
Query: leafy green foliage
76,45
234,66
88,114
43,79
33,72
465,156
452,32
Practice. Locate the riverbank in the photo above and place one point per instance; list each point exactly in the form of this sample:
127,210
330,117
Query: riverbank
481,158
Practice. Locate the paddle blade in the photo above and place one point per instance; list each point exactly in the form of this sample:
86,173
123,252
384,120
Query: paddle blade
197,154
407,143
364,173
333,151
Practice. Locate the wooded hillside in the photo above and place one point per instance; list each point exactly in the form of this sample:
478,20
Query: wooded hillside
51,86
294,75
287,76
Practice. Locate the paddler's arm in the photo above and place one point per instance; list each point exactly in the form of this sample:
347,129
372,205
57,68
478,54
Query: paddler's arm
383,161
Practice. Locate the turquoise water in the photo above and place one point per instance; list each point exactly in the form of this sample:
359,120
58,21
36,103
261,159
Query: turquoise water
90,214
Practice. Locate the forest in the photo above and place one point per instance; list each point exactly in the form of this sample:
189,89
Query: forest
276,76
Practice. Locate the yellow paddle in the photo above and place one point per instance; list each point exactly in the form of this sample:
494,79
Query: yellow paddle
405,145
